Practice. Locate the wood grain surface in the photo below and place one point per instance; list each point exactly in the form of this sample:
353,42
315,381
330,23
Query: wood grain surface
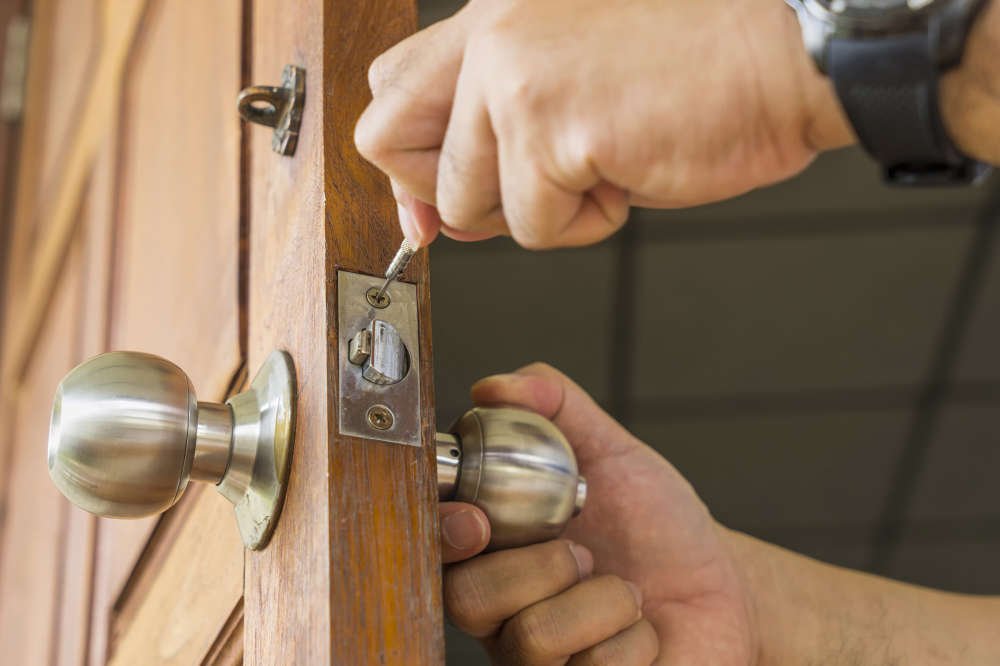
352,575
182,597
384,496
120,19
33,540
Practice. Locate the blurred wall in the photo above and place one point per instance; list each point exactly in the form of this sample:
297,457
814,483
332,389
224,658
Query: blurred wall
818,358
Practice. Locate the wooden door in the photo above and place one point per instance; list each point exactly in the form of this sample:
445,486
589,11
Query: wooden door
147,217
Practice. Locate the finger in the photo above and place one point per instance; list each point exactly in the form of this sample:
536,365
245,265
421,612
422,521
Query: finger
419,221
543,389
584,615
544,212
468,185
480,594
636,646
413,85
465,531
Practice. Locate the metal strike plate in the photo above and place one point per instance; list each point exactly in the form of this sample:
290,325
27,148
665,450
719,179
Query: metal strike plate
384,412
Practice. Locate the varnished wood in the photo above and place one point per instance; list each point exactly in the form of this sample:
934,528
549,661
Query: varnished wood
9,140
120,20
187,598
34,536
76,575
384,496
176,236
228,648
352,575
287,600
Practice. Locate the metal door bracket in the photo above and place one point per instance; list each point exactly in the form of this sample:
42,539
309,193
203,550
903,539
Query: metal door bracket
277,107
378,352
15,69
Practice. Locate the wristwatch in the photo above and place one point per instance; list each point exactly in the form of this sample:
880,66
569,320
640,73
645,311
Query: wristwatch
886,58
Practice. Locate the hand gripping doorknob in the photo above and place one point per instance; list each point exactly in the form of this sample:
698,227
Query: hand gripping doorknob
128,433
517,467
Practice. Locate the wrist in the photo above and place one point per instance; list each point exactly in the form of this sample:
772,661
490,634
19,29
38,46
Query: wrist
825,124
783,627
970,95
805,611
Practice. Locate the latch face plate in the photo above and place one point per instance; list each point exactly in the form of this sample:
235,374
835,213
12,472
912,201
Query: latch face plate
357,396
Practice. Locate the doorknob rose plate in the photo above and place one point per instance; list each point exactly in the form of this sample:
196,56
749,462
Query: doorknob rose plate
127,434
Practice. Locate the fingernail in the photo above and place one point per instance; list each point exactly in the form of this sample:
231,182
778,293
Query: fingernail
489,380
636,592
408,226
463,530
584,559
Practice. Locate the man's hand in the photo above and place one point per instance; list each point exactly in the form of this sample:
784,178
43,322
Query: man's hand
644,574
643,571
546,120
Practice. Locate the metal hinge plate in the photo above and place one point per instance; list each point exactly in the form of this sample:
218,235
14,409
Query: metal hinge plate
383,412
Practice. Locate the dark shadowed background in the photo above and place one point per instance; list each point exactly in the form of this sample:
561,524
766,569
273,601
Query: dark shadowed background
818,358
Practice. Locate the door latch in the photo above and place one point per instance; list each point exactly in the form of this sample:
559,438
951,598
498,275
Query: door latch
378,360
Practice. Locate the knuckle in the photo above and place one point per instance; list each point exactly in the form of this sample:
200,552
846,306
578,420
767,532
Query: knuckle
611,653
465,598
618,591
369,137
382,71
448,193
531,635
532,236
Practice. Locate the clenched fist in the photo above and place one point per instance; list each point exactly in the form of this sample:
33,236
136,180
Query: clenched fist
546,119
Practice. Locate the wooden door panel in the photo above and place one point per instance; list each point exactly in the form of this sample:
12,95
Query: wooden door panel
31,550
74,43
352,572
64,43
176,263
184,590
176,285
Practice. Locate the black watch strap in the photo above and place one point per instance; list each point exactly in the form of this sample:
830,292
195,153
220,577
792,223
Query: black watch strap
889,89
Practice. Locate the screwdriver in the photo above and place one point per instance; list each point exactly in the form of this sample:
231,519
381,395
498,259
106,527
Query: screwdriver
397,266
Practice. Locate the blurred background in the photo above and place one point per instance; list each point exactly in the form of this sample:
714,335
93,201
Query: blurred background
819,359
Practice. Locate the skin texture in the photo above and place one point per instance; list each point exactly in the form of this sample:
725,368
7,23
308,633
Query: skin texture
546,120
709,596
652,531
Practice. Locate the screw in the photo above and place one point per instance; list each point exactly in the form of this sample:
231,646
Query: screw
380,417
376,301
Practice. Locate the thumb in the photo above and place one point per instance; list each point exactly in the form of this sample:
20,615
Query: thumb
465,531
543,389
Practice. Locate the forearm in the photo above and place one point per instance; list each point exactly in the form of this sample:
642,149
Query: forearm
809,612
970,95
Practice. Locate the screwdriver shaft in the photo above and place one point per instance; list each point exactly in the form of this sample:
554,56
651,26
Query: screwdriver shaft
397,266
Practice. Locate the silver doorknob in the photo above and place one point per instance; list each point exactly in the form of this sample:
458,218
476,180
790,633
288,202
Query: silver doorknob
517,467
127,434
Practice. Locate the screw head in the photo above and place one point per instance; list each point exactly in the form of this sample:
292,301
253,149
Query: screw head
373,299
380,417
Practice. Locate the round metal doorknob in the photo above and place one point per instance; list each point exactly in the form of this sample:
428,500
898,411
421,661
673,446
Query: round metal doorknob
517,467
128,433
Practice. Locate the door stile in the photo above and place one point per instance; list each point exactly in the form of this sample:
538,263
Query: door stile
352,574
